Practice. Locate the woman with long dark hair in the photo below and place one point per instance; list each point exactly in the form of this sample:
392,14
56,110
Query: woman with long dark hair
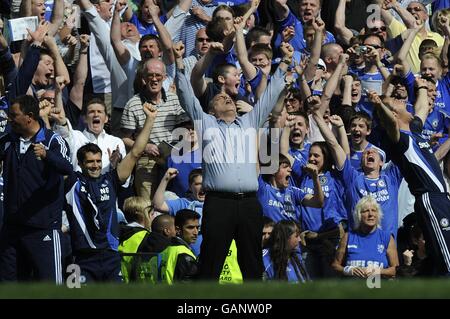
283,259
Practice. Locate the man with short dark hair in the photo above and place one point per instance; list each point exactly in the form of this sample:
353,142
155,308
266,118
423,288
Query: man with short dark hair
35,160
177,262
91,207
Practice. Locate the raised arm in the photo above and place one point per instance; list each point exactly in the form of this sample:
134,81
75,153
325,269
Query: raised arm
339,127
281,9
81,72
332,83
128,13
318,198
126,166
57,114
279,106
386,116
347,91
85,4
421,106
342,32
185,93
385,13
338,152
121,51
60,66
197,76
444,25
248,69
401,55
408,18
158,200
25,8
319,27
57,17
164,36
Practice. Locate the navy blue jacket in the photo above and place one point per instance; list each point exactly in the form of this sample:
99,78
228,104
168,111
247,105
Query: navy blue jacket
34,188
91,210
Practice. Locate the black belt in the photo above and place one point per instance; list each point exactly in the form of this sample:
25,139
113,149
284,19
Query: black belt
231,195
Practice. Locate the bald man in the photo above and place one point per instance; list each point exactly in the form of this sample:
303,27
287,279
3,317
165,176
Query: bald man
170,114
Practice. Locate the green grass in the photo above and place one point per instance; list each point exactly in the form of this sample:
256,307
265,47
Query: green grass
420,289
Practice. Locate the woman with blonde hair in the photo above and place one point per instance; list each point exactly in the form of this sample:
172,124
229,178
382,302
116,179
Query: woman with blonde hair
139,210
133,236
367,249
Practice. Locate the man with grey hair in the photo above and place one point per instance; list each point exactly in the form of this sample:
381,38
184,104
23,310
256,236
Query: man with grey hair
150,90
414,15
231,209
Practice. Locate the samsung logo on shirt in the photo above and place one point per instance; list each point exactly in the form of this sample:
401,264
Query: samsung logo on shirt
275,203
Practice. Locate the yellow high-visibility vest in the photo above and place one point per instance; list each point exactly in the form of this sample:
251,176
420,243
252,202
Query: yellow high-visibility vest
231,272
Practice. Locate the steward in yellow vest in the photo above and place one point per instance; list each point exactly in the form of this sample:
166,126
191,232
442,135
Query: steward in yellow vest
175,263
138,245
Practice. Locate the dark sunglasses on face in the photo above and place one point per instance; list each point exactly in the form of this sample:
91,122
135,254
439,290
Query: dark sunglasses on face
376,29
414,9
203,40
376,47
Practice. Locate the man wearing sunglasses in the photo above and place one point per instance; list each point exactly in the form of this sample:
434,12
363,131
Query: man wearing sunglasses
414,14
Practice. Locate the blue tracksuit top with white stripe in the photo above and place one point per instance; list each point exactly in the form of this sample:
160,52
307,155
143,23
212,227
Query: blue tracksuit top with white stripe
91,211
416,161
34,188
